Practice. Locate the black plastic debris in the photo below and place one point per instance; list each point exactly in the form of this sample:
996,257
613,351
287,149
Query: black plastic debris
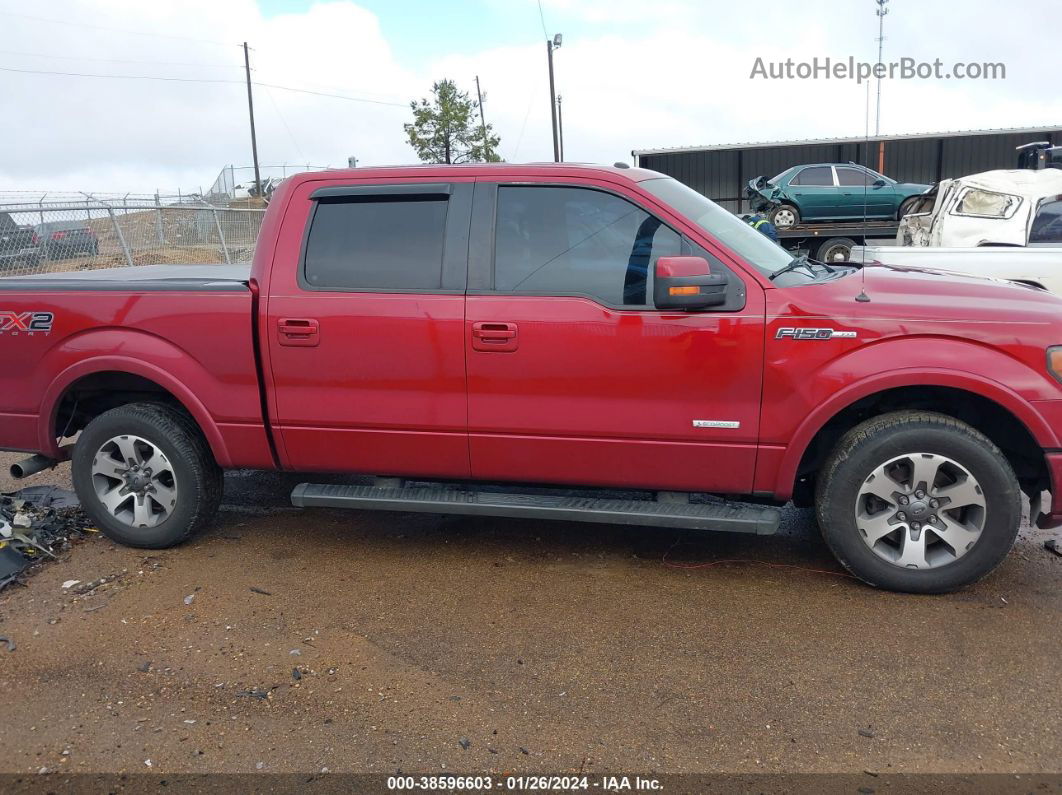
37,523
48,497
11,563
1052,545
8,642
256,692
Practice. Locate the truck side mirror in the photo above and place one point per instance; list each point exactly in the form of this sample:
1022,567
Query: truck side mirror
687,283
880,183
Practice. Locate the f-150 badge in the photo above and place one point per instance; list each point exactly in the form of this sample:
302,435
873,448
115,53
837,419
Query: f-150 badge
813,334
15,323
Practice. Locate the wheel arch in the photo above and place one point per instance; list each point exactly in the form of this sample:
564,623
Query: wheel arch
992,408
127,380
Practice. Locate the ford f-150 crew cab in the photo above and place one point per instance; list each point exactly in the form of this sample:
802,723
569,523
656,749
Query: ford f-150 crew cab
561,341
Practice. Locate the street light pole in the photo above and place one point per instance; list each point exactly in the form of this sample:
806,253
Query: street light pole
552,45
881,12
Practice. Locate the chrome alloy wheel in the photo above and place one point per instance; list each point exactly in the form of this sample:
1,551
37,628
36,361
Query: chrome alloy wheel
920,511
134,481
784,217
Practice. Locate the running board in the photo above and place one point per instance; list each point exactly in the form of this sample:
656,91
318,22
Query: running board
729,517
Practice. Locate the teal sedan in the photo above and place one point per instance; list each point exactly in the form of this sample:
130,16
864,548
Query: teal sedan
831,192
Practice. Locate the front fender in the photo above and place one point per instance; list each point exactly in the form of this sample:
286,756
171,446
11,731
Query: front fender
860,374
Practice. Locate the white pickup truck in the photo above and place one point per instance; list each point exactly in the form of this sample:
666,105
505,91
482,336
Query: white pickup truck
1000,224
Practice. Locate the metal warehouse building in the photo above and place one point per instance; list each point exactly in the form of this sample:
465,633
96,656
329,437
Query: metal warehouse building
721,172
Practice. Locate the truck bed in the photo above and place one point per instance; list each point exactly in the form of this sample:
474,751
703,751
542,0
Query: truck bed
1040,266
186,330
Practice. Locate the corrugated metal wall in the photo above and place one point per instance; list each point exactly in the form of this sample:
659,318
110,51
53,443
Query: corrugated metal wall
721,174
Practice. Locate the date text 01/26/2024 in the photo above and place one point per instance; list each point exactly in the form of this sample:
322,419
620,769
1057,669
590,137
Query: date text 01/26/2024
522,783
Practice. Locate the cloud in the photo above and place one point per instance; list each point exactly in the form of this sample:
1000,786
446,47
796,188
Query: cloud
631,77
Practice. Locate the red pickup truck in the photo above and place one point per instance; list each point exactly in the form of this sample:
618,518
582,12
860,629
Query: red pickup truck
559,341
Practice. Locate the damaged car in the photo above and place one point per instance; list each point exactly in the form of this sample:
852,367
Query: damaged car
1016,207
831,192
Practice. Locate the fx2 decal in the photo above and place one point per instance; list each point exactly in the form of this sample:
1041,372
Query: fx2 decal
15,323
813,334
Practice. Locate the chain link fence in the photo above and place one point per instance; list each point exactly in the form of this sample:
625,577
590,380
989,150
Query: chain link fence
63,234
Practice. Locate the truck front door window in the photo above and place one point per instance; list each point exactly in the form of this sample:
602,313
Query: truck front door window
577,241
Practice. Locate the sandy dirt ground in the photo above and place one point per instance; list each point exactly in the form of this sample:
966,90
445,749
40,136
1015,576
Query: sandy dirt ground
379,642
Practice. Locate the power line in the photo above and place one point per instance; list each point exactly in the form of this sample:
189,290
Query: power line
284,121
334,96
118,60
542,19
201,80
115,30
119,77
266,73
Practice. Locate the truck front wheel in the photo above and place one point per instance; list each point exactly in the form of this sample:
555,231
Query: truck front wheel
919,502
145,475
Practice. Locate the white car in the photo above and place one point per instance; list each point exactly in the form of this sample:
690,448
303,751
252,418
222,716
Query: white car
996,208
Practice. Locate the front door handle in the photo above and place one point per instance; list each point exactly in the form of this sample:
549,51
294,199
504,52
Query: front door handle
298,332
495,337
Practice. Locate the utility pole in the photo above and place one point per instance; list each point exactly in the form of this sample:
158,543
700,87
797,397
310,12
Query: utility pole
881,12
482,123
550,47
560,126
250,110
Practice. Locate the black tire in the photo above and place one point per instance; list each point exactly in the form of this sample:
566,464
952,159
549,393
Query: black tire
198,478
905,207
829,250
883,438
772,216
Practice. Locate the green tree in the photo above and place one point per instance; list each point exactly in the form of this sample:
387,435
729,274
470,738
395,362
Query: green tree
447,129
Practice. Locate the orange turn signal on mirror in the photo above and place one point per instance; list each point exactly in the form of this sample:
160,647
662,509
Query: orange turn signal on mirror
1054,362
695,290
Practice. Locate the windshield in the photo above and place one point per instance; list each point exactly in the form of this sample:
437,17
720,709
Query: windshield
752,246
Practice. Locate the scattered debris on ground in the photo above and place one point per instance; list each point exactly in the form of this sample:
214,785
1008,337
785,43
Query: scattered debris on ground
37,523
1052,545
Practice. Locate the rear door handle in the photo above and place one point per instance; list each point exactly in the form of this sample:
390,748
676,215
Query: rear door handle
495,337
298,332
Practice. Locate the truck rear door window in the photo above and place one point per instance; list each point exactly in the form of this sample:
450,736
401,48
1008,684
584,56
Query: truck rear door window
577,241
376,243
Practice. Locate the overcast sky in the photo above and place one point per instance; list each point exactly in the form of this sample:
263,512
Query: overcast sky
633,74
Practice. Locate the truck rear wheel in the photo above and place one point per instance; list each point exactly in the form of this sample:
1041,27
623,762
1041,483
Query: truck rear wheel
145,475
919,502
836,249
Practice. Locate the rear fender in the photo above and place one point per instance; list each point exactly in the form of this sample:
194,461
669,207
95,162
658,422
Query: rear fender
141,355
